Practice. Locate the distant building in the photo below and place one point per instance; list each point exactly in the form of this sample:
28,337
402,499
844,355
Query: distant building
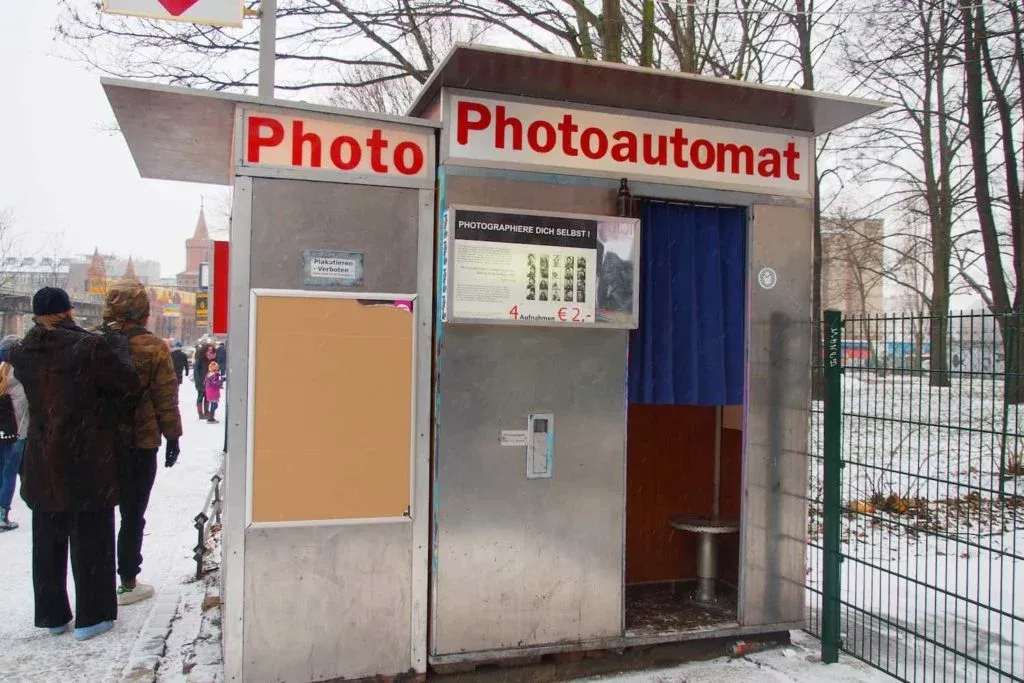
198,249
84,270
20,275
853,263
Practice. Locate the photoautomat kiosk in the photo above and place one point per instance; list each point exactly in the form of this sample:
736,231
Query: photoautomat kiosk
524,372
621,403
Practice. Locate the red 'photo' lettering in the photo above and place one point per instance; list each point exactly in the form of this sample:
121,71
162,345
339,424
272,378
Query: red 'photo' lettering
331,145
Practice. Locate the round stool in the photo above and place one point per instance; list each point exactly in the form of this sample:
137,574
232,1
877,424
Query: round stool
707,529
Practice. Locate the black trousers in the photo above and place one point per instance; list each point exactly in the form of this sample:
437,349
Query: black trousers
136,475
201,401
91,539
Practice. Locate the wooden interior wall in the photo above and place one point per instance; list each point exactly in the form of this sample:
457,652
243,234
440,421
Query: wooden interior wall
729,504
670,470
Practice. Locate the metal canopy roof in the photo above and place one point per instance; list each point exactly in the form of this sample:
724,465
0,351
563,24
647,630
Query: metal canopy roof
528,74
186,134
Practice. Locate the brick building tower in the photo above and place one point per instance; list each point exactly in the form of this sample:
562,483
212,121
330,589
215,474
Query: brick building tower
129,271
198,249
96,282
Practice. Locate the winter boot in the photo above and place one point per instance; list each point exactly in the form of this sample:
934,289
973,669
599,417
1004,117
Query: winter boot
202,411
6,523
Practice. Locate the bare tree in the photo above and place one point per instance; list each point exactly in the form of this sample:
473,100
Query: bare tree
8,241
994,72
328,44
917,147
853,255
809,31
53,259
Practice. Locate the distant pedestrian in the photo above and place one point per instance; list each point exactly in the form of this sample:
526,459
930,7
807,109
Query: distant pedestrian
69,474
222,358
214,381
180,361
204,354
13,430
155,415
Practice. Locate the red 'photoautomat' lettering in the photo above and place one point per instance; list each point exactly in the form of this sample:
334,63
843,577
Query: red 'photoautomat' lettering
499,129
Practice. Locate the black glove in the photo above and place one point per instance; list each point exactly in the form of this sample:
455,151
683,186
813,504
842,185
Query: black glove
172,453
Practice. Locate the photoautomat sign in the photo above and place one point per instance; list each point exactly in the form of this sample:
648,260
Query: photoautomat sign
587,142
334,146
555,269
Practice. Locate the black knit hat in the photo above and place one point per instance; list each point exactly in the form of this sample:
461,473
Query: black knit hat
51,301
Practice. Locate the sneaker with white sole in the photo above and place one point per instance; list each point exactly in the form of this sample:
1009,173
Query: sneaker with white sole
130,596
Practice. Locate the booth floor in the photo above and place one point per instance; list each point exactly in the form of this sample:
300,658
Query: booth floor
665,608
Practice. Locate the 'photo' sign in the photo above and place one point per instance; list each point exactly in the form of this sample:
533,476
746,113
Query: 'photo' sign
510,134
334,146
212,12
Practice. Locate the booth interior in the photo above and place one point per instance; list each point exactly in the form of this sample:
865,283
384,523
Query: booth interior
685,386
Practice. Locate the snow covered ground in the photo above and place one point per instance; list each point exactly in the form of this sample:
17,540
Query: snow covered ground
796,663
30,655
949,569
934,552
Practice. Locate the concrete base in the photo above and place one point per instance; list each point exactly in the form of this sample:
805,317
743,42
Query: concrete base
573,665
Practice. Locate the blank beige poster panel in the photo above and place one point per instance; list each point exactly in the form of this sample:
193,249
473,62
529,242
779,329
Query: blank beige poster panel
332,422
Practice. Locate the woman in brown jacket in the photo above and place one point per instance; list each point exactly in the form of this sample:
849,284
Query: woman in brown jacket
156,417
69,473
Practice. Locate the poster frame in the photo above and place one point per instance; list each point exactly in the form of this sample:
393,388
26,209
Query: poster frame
413,508
448,285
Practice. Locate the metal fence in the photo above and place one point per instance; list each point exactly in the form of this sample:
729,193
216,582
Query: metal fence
207,517
916,498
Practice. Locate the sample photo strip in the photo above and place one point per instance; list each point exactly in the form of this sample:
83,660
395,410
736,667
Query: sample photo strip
616,243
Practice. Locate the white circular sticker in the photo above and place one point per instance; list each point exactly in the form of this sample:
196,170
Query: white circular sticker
767,278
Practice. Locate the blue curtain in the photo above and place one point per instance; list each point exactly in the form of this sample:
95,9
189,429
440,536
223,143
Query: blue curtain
689,347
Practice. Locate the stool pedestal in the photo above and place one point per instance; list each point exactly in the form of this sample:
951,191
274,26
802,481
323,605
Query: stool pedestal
707,529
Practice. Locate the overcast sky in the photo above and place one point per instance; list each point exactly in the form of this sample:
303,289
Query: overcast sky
64,173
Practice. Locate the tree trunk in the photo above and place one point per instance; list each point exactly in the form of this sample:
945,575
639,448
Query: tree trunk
1013,345
803,29
647,35
1012,329
974,33
611,31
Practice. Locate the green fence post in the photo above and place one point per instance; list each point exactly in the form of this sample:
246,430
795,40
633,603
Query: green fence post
832,503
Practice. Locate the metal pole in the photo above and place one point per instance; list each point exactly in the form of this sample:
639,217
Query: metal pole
1009,350
831,485
268,39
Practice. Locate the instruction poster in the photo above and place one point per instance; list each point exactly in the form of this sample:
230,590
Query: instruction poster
523,267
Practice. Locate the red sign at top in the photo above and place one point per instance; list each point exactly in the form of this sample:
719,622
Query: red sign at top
177,7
